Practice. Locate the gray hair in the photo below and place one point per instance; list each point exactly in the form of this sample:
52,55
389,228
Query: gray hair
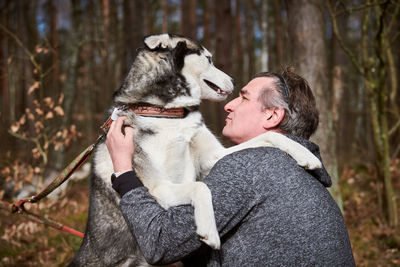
292,93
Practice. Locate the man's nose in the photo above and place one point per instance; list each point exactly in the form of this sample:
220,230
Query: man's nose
229,106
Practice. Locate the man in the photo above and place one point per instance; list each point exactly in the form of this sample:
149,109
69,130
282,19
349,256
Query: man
268,210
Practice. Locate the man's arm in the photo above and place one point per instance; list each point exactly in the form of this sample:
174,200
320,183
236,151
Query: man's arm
166,236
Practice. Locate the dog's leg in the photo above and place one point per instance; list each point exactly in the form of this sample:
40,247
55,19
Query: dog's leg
199,195
204,146
301,154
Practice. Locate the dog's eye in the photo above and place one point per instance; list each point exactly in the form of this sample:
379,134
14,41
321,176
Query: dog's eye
209,59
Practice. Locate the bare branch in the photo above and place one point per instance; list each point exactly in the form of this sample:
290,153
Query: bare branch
20,136
393,20
358,8
364,46
394,128
335,28
393,39
380,47
19,42
396,152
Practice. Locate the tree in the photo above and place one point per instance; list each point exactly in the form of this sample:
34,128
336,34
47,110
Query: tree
238,45
278,32
188,18
250,40
308,50
206,23
164,5
4,84
133,30
54,47
374,62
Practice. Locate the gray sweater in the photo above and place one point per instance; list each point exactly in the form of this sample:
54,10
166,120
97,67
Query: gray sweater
269,212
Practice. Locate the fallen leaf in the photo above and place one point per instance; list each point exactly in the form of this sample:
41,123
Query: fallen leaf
61,99
49,115
48,101
39,111
39,125
6,170
15,127
59,111
22,120
33,87
38,49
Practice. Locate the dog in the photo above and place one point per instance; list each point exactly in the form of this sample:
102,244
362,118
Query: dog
170,73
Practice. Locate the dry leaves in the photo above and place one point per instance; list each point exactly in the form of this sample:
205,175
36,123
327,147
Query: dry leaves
49,115
59,111
15,127
33,87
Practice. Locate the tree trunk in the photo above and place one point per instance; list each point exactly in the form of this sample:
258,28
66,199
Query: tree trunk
373,68
188,19
206,24
238,46
308,50
213,112
132,31
223,50
5,118
249,20
5,107
54,86
164,6
264,33
278,29
72,72
30,74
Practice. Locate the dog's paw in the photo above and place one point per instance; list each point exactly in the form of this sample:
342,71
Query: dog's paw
313,163
306,160
210,237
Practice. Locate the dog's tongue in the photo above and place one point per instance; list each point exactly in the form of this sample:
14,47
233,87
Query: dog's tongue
219,91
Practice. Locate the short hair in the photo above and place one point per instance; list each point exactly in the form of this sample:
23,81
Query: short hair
293,93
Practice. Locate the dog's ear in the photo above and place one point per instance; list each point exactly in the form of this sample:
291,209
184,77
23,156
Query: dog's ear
159,41
179,54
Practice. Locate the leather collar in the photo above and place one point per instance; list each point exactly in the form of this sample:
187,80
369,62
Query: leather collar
148,110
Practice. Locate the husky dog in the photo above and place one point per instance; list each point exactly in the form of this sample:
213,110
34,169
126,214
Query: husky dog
171,154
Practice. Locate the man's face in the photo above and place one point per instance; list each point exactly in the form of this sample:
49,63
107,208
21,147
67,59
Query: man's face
246,116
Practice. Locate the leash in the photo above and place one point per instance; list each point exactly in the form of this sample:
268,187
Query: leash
146,110
18,207
9,206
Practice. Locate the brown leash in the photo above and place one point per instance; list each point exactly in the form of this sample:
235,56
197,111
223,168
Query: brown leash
146,110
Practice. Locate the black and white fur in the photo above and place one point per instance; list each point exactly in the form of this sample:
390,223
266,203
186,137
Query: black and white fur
171,155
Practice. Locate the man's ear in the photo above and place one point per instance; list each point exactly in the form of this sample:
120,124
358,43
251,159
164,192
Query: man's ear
273,116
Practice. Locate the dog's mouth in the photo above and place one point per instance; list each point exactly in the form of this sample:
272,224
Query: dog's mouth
215,87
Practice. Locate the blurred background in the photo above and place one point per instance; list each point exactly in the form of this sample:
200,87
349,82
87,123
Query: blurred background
61,61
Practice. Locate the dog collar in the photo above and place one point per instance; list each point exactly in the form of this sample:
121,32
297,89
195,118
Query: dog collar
147,110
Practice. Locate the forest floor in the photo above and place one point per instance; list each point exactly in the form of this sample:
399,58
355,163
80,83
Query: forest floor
25,243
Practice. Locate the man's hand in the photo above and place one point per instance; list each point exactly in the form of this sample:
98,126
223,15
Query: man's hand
120,146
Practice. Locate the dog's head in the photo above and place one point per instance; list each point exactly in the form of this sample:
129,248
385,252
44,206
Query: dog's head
173,71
